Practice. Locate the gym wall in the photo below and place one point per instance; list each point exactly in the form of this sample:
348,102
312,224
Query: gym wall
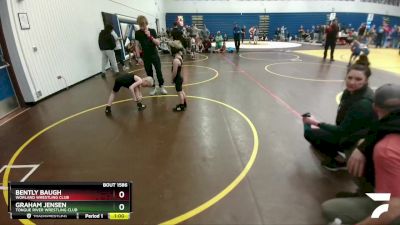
62,39
222,14
224,22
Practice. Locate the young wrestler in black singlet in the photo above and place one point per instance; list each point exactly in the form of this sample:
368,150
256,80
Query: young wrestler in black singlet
134,84
178,79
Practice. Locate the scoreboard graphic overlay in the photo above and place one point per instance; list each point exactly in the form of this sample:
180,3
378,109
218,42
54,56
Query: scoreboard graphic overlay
70,200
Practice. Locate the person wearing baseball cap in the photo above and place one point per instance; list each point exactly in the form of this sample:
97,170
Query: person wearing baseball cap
378,160
387,97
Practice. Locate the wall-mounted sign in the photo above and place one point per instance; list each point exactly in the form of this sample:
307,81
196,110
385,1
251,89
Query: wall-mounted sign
24,21
370,17
332,16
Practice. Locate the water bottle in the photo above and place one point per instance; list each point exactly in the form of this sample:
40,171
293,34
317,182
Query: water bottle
336,221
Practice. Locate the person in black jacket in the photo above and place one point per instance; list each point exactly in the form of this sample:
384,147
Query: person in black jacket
236,37
355,114
177,35
107,44
331,34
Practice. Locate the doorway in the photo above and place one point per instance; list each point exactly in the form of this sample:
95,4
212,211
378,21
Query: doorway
125,28
8,97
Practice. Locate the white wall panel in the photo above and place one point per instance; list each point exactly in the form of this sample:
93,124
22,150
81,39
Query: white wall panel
65,34
18,60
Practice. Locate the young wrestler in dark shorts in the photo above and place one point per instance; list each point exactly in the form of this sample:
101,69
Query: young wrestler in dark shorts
134,84
178,79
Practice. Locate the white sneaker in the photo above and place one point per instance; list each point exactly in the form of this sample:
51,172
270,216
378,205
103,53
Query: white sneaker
337,221
342,155
163,91
153,92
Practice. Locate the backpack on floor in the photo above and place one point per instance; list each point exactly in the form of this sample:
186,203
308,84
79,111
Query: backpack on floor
230,49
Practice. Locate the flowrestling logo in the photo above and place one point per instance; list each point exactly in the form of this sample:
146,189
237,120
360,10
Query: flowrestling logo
379,197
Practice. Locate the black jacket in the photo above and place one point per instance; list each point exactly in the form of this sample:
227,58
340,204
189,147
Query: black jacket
106,40
176,34
387,125
355,113
331,33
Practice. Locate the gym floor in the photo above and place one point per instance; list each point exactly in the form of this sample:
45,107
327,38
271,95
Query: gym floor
236,156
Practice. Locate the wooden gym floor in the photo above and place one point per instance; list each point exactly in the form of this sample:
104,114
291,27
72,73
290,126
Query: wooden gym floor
236,156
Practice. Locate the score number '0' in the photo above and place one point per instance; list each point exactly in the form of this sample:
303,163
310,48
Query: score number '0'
121,194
